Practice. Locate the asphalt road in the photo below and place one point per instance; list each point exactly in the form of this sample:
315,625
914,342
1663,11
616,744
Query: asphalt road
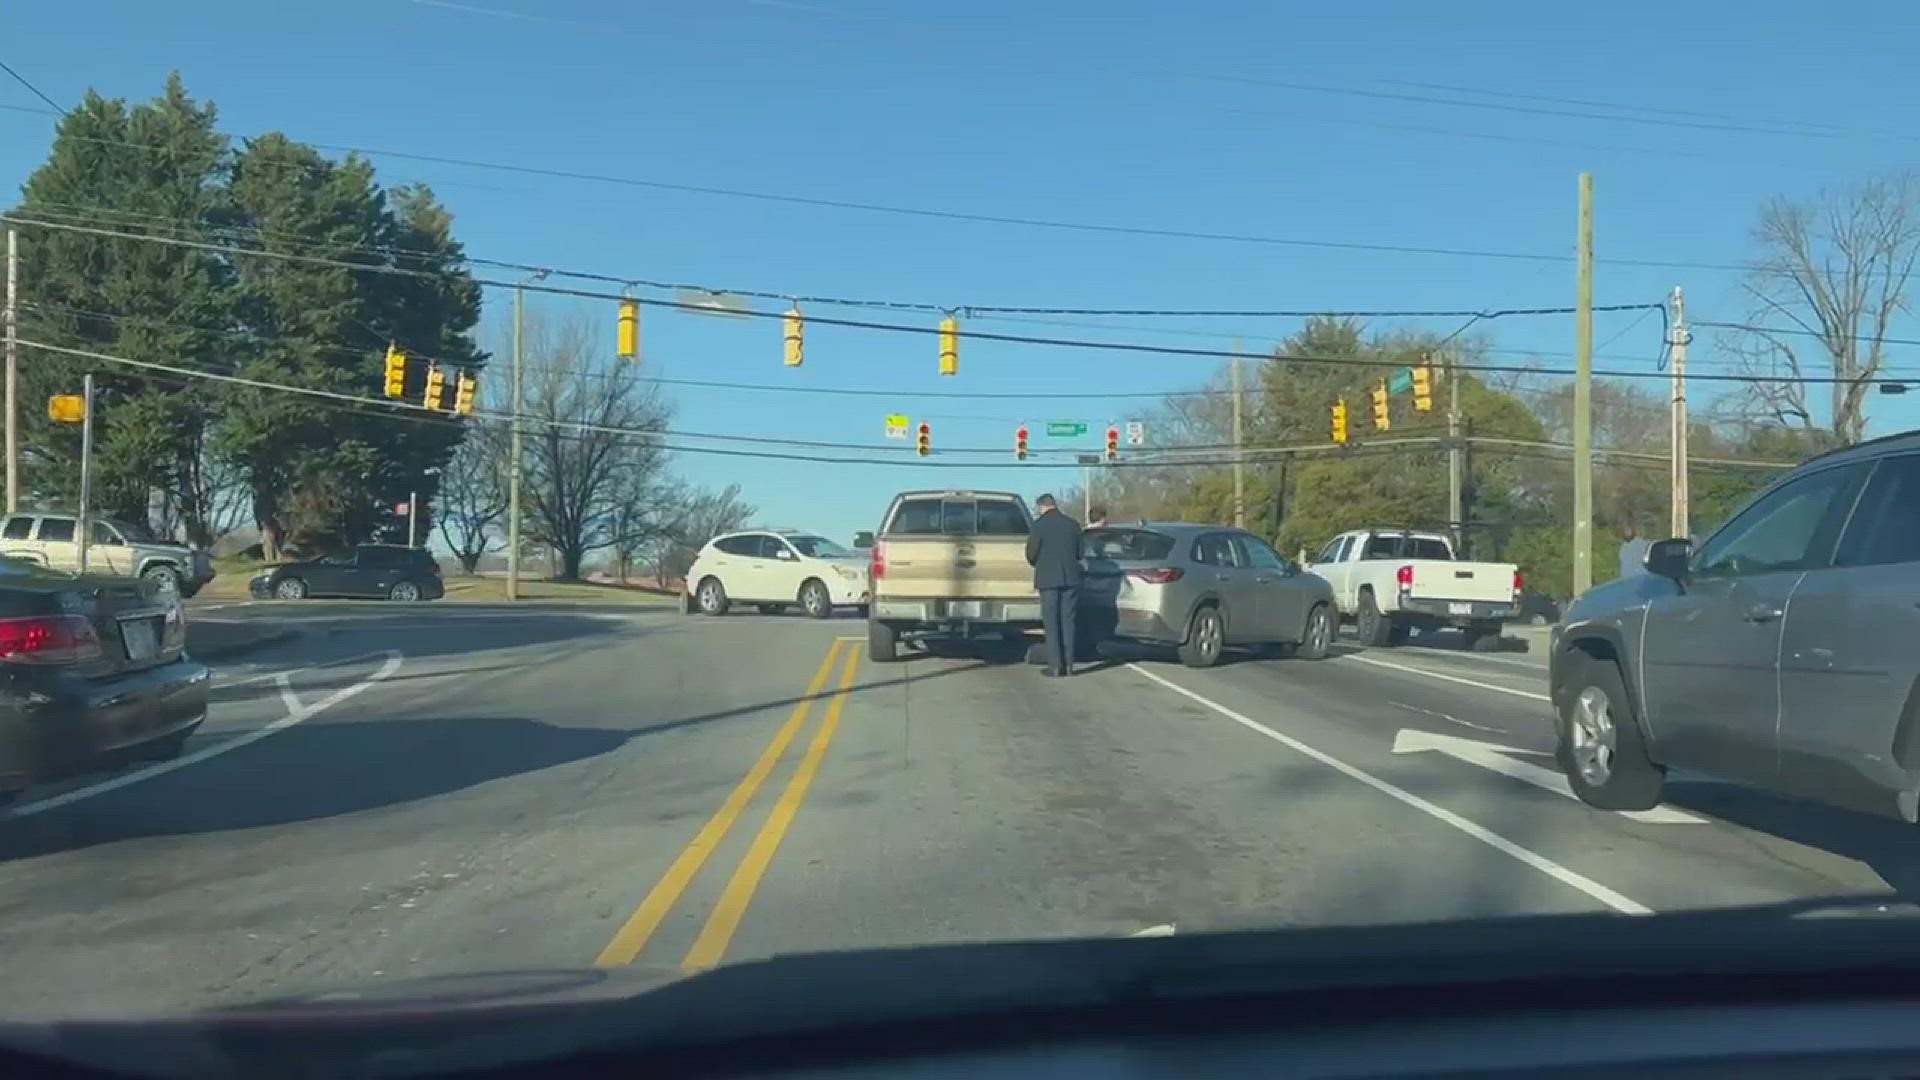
409,791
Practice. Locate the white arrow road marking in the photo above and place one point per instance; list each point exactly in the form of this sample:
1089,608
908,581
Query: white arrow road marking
1162,930
1497,758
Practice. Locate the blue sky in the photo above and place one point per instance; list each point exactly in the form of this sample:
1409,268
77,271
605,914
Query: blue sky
1455,126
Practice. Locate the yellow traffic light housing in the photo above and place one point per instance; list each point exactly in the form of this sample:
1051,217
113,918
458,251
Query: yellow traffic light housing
1423,388
949,346
628,337
923,441
464,390
1113,443
396,372
1381,419
436,388
1340,421
795,333
1020,443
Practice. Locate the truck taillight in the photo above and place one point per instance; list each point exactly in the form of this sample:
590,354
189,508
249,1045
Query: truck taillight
175,631
51,639
1519,583
1159,575
1404,576
879,560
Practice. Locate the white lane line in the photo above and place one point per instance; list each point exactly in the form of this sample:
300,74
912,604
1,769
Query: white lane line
1481,658
1618,902
1162,930
269,676
287,697
161,768
1451,719
1443,677
1500,759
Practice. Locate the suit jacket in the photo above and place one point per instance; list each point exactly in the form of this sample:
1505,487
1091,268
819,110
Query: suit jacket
1053,550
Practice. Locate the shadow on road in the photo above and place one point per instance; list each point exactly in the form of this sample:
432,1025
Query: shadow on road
1889,846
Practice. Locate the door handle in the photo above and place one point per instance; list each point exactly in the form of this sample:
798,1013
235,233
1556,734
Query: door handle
1222,577
1763,613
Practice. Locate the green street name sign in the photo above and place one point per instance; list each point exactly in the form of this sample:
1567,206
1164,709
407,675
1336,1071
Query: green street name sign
1066,429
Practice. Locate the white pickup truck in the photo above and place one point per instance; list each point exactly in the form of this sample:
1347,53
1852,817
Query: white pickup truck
1391,582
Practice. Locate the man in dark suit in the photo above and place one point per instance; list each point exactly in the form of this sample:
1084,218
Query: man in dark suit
1053,550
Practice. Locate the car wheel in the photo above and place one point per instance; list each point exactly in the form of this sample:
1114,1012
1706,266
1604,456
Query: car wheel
712,597
1480,634
883,642
404,591
291,588
1372,625
166,579
1317,639
1600,748
816,600
1206,639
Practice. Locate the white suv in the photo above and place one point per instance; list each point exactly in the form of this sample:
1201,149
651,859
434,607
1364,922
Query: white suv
774,570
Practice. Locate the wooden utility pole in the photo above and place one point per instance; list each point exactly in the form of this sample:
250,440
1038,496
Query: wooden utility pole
13,370
1239,436
1456,459
1583,398
1678,357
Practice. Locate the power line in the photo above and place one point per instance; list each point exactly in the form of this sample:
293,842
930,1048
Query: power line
36,91
1792,331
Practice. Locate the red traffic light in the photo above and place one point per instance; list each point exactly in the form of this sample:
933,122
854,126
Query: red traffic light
1020,434
926,429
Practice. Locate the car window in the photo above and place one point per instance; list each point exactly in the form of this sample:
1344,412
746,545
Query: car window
818,547
1791,527
380,557
1259,555
1331,553
1426,547
934,516
338,558
772,547
131,532
1214,549
1886,523
739,545
103,534
1127,544
56,530
18,528
1381,547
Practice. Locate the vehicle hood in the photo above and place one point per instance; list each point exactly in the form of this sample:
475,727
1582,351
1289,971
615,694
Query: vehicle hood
450,1024
1619,595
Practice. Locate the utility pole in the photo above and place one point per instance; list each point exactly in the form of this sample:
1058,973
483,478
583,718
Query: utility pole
1239,434
13,370
86,467
413,518
513,455
1456,460
1583,398
1678,357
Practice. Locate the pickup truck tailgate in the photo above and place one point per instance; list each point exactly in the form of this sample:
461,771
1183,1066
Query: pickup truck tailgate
958,567
1434,579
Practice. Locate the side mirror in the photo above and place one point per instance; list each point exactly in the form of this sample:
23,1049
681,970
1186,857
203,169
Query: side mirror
783,555
1670,558
862,540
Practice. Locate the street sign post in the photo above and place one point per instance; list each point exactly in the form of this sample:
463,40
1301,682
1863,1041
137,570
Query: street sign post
896,426
1066,429
1136,433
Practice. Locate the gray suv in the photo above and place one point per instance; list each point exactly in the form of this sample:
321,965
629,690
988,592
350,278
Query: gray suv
1783,652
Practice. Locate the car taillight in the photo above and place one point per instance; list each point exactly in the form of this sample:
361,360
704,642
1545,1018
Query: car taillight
51,639
879,560
1159,575
1405,577
1519,583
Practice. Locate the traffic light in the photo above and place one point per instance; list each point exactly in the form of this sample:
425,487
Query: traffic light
1340,421
396,373
436,388
628,339
1113,443
923,442
1423,388
795,330
1020,442
1381,421
949,346
464,389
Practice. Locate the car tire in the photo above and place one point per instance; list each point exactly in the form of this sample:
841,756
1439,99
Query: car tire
686,602
167,579
405,592
290,588
883,642
1316,640
1479,634
1206,638
815,600
712,597
1372,625
1600,748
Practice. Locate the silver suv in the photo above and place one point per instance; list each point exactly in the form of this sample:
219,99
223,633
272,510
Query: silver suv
1782,653
116,547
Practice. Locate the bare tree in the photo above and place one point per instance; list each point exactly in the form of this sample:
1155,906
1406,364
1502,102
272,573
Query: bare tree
1832,278
473,494
704,515
595,465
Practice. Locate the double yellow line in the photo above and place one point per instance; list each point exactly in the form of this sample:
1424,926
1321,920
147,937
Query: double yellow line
711,945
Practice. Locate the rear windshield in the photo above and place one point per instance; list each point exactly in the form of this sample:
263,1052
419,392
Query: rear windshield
1407,547
1128,544
935,516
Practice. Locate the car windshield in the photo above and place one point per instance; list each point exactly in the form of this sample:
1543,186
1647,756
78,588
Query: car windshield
444,385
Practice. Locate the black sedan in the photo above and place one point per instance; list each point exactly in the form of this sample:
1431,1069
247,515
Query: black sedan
370,571
93,673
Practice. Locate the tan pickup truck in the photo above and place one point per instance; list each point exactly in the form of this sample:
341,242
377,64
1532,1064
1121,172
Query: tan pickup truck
950,563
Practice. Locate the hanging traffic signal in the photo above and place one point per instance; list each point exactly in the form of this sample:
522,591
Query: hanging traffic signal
1340,421
396,373
923,442
1423,388
1381,420
1113,443
464,390
628,338
949,346
795,330
436,388
1020,442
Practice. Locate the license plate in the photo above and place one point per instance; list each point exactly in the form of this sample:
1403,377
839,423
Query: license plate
142,637
964,609
1459,609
